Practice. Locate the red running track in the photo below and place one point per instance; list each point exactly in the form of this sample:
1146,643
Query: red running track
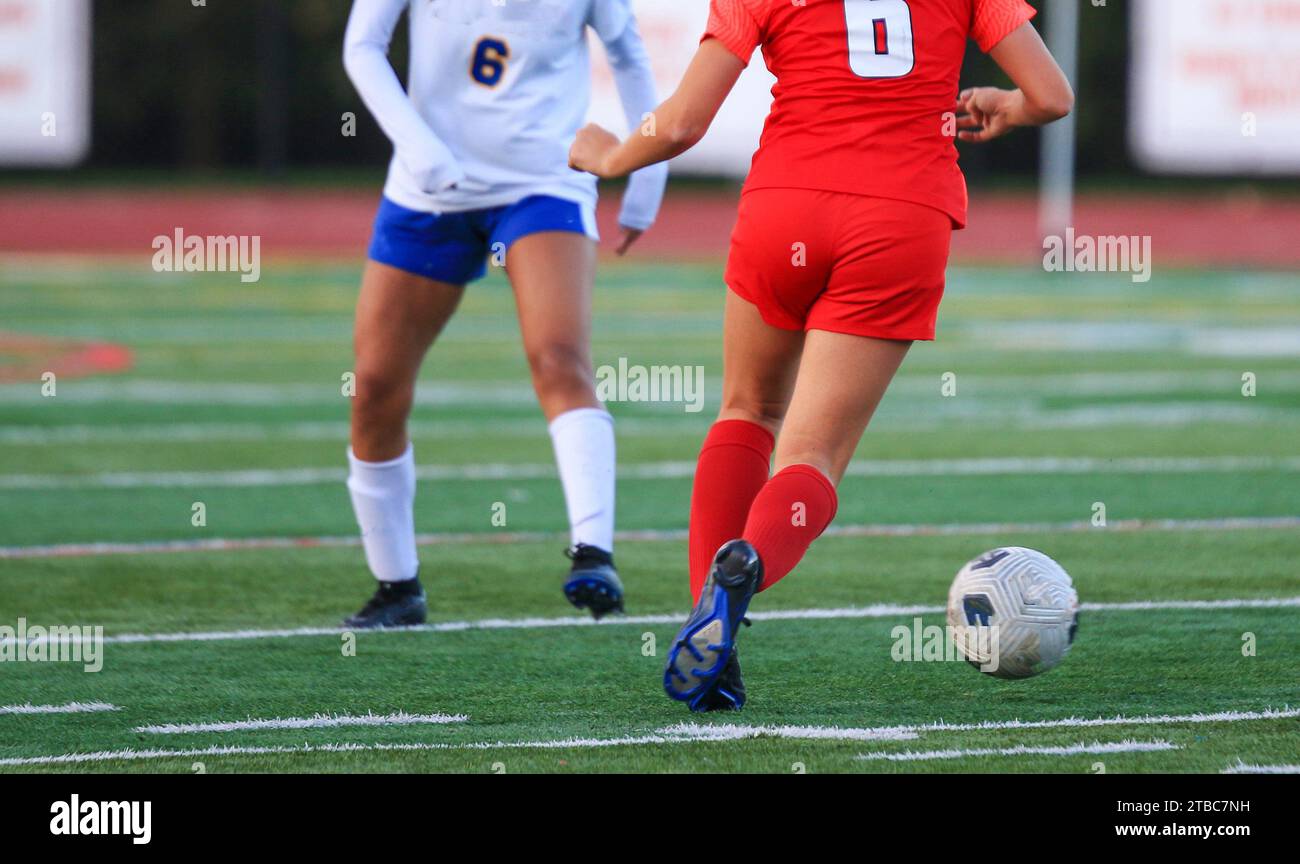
1225,231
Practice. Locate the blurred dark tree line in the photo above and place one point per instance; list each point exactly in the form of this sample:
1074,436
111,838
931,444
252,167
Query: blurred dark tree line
260,84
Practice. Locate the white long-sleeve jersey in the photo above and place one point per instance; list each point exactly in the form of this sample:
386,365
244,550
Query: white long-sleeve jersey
497,91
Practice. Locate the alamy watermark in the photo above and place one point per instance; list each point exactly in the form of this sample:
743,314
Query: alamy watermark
74,817
34,643
634,383
1084,253
212,253
918,643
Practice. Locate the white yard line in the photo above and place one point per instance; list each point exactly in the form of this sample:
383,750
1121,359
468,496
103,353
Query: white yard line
142,755
69,708
956,529
898,416
730,731
1001,725
318,721
684,733
557,744
1095,748
155,392
147,391
666,470
1243,768
879,610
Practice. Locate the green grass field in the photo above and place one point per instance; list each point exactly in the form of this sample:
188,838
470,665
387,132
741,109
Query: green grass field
1072,392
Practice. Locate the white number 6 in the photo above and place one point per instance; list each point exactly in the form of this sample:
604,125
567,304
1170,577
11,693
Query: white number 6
880,38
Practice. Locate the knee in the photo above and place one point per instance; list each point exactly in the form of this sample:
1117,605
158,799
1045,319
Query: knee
559,368
381,397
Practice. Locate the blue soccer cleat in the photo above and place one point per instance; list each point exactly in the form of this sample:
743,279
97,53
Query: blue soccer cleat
593,582
702,669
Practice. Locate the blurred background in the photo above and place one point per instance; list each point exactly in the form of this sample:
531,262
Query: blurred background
1194,100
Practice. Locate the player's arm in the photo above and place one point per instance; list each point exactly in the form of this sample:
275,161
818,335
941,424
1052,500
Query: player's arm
1043,93
634,78
365,57
674,127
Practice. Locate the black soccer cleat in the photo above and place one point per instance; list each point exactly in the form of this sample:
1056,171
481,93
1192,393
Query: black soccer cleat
728,692
394,604
702,669
593,582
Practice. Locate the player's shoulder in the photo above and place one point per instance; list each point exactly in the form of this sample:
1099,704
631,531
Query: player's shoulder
758,10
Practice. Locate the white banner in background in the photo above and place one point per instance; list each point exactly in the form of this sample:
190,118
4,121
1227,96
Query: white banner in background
672,31
44,82
1216,86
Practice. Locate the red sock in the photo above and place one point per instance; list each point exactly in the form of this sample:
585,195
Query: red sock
734,464
791,511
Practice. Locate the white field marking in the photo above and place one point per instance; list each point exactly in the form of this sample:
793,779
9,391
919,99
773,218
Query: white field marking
894,418
1247,342
904,387
879,610
141,391
318,721
1003,725
149,392
558,744
668,470
678,734
200,433
730,731
899,417
1243,768
69,708
956,529
1095,747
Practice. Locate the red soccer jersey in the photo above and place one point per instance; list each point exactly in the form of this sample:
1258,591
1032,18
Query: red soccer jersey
864,90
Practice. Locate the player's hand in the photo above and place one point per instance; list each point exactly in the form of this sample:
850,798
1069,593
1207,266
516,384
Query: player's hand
985,113
593,144
630,236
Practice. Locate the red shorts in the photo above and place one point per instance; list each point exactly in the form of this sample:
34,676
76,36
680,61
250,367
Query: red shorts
854,264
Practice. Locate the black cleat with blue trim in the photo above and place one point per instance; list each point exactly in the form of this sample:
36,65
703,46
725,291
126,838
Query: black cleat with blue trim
593,582
394,604
703,669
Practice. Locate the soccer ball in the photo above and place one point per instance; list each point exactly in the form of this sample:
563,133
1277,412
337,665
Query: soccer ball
1016,611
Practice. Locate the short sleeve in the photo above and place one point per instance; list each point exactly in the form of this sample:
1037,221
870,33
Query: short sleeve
732,23
995,20
609,18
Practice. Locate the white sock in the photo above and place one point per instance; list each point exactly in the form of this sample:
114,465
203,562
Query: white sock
383,497
584,452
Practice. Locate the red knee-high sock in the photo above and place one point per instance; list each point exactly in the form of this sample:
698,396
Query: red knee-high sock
790,512
734,464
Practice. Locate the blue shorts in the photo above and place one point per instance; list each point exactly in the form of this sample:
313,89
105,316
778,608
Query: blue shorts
454,247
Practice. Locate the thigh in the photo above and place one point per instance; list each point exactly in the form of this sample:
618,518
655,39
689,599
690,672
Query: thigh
842,379
759,363
398,316
552,274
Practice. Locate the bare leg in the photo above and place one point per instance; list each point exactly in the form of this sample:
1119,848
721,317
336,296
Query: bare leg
841,382
398,316
552,274
759,364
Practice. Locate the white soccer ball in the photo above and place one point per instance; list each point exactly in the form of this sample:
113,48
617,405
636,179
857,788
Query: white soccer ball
1015,610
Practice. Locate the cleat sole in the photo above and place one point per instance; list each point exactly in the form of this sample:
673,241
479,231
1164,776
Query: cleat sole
595,595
